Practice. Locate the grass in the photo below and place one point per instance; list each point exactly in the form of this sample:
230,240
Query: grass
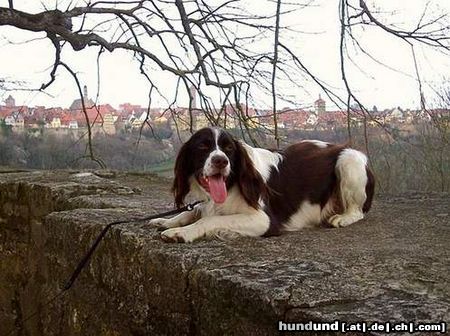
163,168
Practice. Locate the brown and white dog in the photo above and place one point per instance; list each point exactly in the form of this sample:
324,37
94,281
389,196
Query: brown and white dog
255,192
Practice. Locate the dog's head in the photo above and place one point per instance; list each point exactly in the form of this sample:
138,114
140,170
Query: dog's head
216,161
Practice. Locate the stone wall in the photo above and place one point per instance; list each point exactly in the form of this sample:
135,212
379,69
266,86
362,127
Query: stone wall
22,208
393,266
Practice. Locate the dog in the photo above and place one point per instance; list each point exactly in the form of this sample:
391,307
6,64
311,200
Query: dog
256,192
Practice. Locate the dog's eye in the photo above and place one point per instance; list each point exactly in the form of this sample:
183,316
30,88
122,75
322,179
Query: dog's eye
229,148
203,146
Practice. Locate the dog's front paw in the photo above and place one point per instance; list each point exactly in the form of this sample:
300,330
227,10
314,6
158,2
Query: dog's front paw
160,223
345,219
177,235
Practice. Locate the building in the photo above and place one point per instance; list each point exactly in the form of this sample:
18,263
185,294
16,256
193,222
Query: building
319,106
77,104
55,123
109,123
10,101
73,124
312,119
15,119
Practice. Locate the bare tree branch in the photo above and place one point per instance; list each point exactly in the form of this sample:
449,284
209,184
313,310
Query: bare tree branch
274,71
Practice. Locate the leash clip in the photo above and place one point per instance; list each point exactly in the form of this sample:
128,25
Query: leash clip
191,206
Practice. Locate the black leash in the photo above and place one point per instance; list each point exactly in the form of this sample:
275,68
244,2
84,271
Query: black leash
83,262
91,251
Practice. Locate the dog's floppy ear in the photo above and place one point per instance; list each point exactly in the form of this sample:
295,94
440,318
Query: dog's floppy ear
250,182
181,187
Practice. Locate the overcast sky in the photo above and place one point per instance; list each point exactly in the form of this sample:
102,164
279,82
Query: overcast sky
121,82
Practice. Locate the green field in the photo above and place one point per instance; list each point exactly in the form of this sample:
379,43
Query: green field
163,169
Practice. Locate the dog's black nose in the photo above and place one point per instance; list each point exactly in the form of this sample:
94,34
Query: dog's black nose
219,161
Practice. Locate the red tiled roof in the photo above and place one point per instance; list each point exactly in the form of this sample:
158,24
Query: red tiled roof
6,110
95,114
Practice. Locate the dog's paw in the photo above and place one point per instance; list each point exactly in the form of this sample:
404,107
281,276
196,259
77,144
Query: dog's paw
345,219
177,235
160,223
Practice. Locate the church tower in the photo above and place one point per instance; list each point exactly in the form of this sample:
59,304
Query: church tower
77,104
85,93
319,106
10,101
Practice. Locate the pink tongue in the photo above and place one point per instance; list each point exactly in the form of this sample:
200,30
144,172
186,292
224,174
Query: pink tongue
217,189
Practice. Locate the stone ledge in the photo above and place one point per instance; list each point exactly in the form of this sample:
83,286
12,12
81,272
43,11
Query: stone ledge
393,266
